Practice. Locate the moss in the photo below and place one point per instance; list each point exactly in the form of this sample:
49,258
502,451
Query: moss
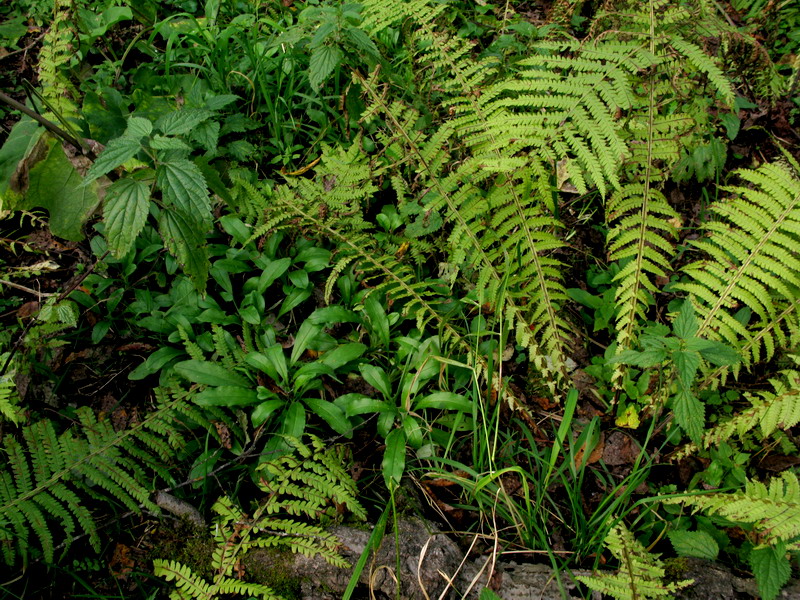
187,545
275,571
675,569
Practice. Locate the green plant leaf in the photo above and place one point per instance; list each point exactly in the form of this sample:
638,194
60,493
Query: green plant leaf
324,59
209,373
771,569
331,414
343,354
689,414
138,128
125,211
182,121
394,458
154,363
226,395
183,185
359,404
185,240
698,544
263,411
444,401
685,325
273,270
305,335
20,143
293,299
720,355
54,184
378,322
117,151
331,315
377,378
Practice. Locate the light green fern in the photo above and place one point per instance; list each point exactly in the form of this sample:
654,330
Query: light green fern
303,489
746,291
773,509
640,575
46,476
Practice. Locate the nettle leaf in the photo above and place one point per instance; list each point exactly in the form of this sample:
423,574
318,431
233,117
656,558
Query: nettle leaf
184,238
324,59
644,359
689,414
117,151
207,135
685,325
183,185
161,142
771,569
125,213
720,355
698,544
138,128
182,121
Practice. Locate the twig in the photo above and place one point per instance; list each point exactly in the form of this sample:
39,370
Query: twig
47,124
27,289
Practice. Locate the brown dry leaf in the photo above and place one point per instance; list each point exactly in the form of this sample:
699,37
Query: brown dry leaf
121,563
620,449
224,434
595,455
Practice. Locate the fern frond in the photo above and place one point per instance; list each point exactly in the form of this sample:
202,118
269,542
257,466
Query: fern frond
769,411
46,474
773,509
753,263
640,575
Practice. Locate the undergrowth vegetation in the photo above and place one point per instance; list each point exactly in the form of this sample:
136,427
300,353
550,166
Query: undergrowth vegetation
535,263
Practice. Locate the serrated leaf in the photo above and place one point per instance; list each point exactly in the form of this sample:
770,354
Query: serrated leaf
138,128
221,101
644,359
720,355
125,210
771,569
324,59
698,544
689,414
117,151
686,363
183,185
182,121
685,325
184,239
207,135
161,142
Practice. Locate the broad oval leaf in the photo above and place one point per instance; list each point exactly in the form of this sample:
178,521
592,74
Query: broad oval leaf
331,414
226,395
394,458
209,373
445,401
